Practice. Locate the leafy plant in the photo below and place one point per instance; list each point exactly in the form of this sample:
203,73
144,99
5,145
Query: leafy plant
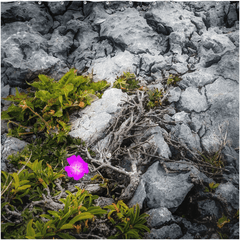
78,210
155,97
173,79
127,82
223,220
50,106
212,186
215,160
128,221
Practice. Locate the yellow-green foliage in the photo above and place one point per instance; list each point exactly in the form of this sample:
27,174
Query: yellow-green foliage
173,79
215,160
50,106
127,82
128,221
155,97
212,186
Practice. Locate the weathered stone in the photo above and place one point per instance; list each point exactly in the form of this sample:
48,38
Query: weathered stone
208,208
159,189
222,95
39,20
11,146
109,68
96,117
193,100
181,117
213,46
159,217
138,39
157,140
167,17
230,193
103,201
172,231
57,8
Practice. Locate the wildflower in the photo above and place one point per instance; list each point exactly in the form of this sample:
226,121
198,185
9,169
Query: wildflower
77,167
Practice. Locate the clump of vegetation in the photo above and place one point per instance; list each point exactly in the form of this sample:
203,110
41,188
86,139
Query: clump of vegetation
212,186
173,79
215,161
128,221
155,97
127,82
50,106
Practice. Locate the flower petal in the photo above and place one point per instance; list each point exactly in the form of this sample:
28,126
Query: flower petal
68,170
72,159
78,176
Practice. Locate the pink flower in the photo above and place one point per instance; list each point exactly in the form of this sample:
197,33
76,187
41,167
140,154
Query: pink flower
77,167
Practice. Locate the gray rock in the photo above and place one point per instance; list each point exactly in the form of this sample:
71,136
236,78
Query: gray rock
175,94
232,15
230,193
4,128
222,95
181,117
59,45
228,66
167,17
231,157
159,217
111,67
199,78
96,117
176,41
57,8
172,231
131,32
212,47
192,100
157,140
159,189
103,201
39,20
184,134
234,37
235,231
4,93
11,146
209,208
187,236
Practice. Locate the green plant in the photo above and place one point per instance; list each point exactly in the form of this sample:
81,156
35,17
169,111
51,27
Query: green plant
155,97
173,79
50,106
215,160
223,220
127,82
78,210
212,186
128,221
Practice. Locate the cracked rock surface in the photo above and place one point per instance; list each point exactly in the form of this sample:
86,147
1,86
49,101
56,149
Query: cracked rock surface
198,41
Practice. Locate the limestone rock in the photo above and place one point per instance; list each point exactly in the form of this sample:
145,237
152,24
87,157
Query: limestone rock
192,100
96,117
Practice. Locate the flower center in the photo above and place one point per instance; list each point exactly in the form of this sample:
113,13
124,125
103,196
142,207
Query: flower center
76,167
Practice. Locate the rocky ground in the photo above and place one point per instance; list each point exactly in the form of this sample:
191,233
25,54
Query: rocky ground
197,41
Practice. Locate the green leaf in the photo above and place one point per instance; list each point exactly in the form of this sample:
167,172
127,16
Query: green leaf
215,186
54,213
5,116
142,227
43,95
65,235
81,216
30,230
67,226
24,187
16,180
